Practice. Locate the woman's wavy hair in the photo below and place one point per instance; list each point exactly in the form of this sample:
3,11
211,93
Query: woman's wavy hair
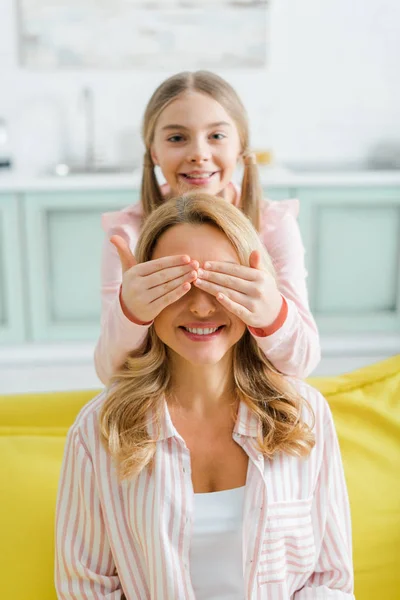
137,393
220,90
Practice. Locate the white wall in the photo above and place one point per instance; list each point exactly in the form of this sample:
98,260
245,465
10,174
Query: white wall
330,92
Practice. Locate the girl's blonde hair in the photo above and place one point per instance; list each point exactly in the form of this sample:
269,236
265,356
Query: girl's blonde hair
139,388
212,85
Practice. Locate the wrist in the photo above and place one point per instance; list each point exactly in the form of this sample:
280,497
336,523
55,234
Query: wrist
128,313
275,325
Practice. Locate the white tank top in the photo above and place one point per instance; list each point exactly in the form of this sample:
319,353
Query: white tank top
216,556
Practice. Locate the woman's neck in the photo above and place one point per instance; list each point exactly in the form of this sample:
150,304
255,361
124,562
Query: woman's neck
201,390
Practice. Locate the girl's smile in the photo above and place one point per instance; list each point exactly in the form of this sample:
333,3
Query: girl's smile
199,178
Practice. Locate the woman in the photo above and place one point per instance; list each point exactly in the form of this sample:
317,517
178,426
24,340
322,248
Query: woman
202,472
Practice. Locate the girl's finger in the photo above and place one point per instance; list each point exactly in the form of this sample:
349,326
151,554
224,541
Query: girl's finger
124,252
214,290
255,259
161,278
153,266
227,281
232,269
161,290
238,310
164,301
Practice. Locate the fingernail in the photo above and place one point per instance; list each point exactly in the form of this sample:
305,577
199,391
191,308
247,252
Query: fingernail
200,272
207,265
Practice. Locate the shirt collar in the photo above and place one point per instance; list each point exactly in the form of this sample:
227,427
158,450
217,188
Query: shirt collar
247,424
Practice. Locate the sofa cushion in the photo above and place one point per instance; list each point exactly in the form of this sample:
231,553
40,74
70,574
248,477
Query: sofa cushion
366,409
33,428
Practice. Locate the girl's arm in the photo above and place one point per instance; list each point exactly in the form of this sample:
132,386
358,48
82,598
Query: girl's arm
333,573
119,335
294,349
84,566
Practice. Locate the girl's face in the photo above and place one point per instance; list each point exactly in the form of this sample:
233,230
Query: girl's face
196,144
197,327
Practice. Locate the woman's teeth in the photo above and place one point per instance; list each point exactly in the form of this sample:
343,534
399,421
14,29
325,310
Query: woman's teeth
197,331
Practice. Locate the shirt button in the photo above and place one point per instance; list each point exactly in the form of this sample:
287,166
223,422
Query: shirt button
260,457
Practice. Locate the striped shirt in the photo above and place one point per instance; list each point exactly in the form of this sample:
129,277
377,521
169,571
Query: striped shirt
131,540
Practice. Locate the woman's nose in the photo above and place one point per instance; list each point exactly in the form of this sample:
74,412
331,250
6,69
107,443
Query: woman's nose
202,304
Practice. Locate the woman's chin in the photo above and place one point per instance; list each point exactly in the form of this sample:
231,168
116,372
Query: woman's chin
205,361
204,357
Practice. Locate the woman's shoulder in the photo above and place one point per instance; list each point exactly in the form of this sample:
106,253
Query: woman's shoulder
86,424
313,397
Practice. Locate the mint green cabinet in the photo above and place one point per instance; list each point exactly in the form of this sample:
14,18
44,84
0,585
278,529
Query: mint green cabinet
51,243
352,240
278,193
64,242
12,317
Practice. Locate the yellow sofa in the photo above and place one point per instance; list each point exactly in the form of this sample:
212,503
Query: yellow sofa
366,408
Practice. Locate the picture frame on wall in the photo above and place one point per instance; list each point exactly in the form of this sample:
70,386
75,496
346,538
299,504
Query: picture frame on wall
138,34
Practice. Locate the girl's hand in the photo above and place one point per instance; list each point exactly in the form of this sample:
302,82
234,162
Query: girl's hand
149,287
248,292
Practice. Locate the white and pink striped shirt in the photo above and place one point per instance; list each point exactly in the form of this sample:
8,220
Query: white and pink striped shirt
131,540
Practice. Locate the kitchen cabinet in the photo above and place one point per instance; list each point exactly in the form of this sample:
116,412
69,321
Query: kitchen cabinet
352,241
51,240
12,283
64,241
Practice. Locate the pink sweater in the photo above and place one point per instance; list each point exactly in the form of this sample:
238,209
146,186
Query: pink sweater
293,349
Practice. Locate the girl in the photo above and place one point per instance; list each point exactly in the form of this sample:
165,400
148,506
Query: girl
195,130
202,473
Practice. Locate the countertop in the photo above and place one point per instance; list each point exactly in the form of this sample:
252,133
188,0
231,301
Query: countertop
270,176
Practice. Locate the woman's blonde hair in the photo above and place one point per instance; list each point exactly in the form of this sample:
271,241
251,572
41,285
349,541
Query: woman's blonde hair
212,85
139,388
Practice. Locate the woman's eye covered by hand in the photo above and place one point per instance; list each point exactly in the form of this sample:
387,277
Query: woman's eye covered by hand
250,293
149,287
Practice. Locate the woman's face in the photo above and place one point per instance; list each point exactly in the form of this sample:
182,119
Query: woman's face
197,327
196,144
